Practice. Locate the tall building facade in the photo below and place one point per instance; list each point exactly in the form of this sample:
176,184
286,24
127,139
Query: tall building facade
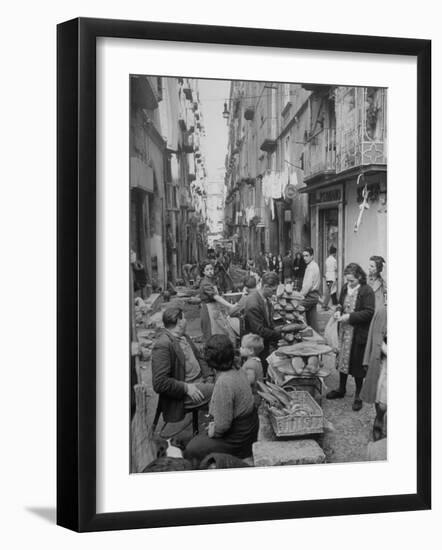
167,176
307,166
264,208
345,172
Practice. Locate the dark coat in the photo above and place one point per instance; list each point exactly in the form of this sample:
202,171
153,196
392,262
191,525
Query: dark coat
360,319
168,375
373,355
287,267
299,266
261,264
258,319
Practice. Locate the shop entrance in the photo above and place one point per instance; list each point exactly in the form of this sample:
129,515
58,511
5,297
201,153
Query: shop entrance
328,234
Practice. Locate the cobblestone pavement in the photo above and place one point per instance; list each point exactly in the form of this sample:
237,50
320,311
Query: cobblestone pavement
347,433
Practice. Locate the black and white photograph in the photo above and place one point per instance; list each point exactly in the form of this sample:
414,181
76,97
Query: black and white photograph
258,273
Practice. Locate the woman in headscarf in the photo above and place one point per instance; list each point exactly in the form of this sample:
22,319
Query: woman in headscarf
354,313
376,281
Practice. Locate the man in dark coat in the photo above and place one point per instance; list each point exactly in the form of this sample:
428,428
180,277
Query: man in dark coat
261,264
180,376
287,267
259,315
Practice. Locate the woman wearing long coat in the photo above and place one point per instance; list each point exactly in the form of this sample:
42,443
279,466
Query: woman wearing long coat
354,313
375,385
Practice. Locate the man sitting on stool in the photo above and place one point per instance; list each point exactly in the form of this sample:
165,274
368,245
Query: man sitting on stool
180,376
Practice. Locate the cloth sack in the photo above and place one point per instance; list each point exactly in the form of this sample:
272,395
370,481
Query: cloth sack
331,334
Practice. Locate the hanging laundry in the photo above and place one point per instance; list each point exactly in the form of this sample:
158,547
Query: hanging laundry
293,178
276,186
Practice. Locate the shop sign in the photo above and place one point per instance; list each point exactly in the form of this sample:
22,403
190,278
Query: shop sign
290,192
327,195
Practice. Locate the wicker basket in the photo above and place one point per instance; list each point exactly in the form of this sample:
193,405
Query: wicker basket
296,425
311,384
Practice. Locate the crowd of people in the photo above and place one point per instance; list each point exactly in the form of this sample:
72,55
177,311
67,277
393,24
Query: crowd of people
185,379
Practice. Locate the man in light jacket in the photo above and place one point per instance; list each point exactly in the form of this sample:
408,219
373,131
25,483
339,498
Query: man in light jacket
331,275
310,288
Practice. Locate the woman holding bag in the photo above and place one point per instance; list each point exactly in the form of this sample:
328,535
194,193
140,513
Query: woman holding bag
354,313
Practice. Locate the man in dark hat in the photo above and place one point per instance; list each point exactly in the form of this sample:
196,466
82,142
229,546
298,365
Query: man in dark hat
180,375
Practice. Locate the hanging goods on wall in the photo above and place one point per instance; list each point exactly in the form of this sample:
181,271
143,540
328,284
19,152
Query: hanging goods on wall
363,206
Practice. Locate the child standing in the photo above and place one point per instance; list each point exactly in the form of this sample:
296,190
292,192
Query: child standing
251,346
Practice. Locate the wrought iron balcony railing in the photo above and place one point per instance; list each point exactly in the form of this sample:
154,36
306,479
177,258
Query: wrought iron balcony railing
361,127
267,135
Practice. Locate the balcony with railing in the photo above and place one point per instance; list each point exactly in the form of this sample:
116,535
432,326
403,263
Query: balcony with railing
361,127
320,154
268,135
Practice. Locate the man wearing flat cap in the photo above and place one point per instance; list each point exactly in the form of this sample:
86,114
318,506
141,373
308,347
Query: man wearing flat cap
180,375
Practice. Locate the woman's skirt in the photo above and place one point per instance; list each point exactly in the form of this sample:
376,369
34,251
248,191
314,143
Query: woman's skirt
345,344
237,441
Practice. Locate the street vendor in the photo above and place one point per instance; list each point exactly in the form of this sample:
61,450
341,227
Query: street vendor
213,317
310,288
248,288
179,374
259,315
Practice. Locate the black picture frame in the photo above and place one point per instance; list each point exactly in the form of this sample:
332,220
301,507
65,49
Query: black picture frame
76,274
